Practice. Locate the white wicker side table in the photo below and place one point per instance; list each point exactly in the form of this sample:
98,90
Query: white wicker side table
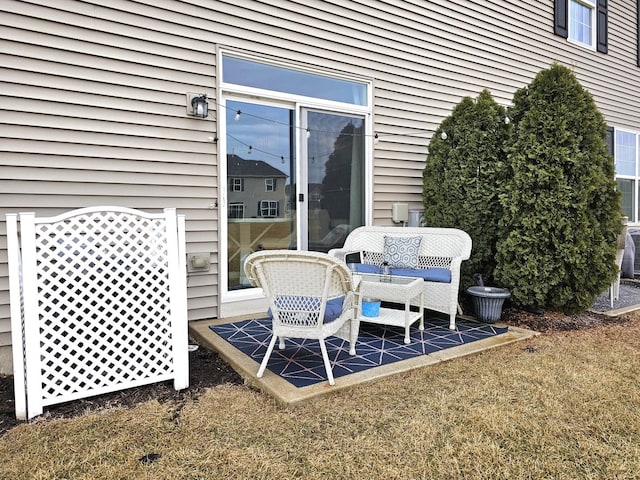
397,290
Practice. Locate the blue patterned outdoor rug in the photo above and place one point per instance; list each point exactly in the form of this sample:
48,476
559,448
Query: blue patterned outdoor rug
300,363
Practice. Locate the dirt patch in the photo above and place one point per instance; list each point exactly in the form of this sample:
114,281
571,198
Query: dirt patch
548,321
207,369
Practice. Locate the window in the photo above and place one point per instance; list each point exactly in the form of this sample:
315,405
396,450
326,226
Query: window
581,21
269,184
236,184
236,210
268,208
627,171
260,75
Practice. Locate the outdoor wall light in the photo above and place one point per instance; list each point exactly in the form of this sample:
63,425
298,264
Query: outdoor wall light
197,105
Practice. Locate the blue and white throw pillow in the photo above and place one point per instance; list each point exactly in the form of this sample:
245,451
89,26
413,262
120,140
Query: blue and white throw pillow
401,252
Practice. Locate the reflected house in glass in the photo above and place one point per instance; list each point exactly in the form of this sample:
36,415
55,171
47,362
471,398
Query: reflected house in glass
257,212
255,189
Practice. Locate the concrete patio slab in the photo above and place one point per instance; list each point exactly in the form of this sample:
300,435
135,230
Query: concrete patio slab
287,394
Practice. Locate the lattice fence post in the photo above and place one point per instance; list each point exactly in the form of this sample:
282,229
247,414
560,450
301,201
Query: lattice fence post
31,345
178,302
16,301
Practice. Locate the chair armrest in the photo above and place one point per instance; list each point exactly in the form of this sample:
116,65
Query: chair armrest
340,253
351,299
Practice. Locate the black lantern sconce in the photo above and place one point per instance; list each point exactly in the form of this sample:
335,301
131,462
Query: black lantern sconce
197,105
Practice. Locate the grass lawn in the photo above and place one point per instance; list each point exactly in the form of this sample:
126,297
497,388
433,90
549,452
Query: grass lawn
564,405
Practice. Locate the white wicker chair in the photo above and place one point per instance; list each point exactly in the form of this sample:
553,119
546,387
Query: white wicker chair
311,295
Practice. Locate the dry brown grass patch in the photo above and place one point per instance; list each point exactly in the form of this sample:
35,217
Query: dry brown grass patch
562,405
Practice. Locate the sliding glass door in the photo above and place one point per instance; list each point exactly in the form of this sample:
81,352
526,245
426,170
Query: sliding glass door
261,211
274,200
333,159
294,147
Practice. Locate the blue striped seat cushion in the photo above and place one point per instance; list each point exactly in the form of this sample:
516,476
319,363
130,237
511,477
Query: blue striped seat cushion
434,274
367,268
441,275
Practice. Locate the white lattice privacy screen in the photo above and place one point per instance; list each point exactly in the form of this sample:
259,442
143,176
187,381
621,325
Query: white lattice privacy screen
98,303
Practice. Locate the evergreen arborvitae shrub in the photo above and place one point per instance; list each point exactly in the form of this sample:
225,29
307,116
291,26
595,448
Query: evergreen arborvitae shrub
460,179
561,212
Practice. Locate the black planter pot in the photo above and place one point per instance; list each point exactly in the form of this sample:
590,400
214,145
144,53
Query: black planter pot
487,302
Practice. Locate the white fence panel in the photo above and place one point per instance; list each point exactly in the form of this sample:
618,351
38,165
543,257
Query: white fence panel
98,303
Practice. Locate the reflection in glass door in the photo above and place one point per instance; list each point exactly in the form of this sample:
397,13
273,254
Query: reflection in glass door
265,184
261,215
334,163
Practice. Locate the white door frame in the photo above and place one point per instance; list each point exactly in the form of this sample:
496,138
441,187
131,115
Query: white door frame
251,300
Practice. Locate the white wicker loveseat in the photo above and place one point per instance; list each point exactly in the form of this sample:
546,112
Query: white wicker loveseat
440,252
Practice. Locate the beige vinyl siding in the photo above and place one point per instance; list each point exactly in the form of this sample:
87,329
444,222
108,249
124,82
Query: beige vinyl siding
92,93
93,113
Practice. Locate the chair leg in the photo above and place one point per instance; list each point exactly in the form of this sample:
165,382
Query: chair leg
354,330
452,321
611,295
327,365
265,360
614,290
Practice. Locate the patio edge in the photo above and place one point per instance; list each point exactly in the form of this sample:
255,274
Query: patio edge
289,395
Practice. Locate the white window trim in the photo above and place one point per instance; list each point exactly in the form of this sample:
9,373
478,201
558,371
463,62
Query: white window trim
591,4
270,205
269,184
636,177
237,182
238,205
290,97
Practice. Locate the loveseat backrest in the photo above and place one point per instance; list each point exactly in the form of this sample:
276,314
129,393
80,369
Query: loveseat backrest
436,242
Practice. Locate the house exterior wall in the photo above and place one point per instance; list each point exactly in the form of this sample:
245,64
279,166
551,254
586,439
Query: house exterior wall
93,94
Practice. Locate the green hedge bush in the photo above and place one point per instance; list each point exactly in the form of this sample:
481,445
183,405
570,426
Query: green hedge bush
538,197
460,178
561,213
